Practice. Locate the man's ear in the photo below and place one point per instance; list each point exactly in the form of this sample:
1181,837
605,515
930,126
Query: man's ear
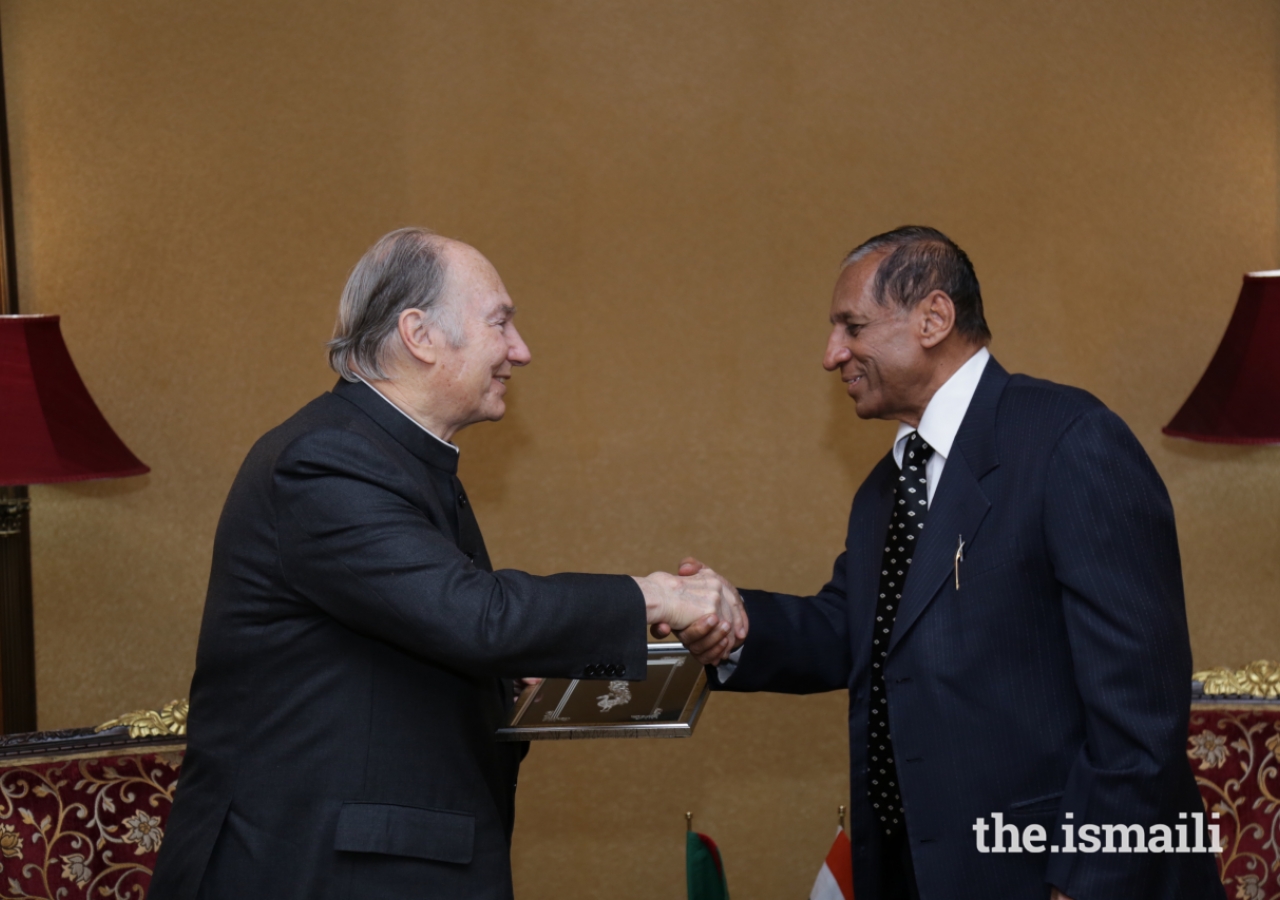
938,318
415,336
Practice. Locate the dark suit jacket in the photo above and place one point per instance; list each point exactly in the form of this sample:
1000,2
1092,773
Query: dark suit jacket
350,674
1055,681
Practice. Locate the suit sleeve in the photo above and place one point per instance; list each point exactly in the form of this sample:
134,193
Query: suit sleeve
1110,532
353,544
797,645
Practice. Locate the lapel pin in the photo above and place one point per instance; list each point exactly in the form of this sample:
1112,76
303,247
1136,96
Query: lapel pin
959,557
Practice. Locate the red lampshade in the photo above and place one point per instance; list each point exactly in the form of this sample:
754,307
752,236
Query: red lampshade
51,428
1238,398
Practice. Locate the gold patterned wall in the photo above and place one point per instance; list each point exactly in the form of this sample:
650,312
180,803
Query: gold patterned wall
667,188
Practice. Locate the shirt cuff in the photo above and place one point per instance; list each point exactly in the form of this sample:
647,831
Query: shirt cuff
725,670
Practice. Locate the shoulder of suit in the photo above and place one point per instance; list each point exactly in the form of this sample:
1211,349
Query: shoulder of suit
1039,397
1036,411
326,429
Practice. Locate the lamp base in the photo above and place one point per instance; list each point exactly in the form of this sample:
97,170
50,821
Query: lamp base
17,633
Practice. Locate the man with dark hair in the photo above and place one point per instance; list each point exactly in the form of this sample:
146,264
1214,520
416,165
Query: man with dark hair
358,649
916,260
1007,615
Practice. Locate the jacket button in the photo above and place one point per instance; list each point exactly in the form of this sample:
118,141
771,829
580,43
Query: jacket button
622,670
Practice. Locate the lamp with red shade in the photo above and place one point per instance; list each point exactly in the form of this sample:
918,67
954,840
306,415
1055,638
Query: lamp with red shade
1238,398
52,432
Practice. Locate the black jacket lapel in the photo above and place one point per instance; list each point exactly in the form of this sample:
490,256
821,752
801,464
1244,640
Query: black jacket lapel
959,504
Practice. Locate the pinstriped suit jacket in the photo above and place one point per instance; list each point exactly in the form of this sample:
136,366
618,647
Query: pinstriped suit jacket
1054,682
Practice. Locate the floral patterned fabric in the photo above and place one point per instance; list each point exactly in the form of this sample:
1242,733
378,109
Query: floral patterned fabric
76,829
1234,748
83,828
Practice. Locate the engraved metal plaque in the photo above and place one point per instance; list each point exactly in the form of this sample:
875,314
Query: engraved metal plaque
665,705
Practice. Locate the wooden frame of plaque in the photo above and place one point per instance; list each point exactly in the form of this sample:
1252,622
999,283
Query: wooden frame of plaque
665,705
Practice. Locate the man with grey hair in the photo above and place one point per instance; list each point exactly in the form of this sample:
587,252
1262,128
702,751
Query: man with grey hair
1006,616
358,650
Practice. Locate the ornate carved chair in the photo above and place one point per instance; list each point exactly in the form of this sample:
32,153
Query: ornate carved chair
82,811
1234,748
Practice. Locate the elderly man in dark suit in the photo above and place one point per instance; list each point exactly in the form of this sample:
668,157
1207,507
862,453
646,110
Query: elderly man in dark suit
1007,616
357,649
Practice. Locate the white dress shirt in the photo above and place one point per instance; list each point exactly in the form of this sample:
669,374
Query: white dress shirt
938,426
942,417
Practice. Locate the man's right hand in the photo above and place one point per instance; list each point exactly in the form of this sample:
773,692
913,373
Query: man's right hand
712,638
696,603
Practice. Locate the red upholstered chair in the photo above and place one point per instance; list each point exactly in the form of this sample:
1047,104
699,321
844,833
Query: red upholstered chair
83,811
1234,748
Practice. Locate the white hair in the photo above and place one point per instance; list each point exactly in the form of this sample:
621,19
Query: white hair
403,270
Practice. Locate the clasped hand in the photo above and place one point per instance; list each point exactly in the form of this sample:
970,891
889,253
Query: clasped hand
700,606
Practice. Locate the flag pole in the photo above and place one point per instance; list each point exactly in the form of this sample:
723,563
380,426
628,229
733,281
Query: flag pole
688,821
842,818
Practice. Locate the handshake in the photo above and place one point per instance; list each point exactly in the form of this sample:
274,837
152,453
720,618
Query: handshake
699,606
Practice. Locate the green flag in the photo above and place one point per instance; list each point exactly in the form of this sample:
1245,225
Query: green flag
704,869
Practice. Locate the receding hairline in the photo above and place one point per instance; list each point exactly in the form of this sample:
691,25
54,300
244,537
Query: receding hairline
453,250
872,256
908,264
457,257
460,258
880,251
877,253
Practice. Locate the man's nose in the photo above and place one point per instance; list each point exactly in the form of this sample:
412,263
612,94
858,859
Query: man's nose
517,350
837,353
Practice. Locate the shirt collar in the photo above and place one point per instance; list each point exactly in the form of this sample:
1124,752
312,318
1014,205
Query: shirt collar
441,441
942,417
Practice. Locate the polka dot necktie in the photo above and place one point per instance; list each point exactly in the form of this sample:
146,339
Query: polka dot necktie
910,507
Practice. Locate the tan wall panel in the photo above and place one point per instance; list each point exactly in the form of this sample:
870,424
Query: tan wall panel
667,188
